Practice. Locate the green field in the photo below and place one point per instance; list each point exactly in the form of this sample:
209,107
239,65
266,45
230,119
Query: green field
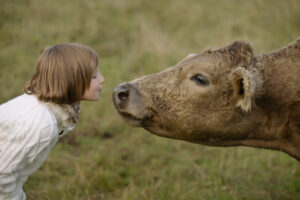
106,159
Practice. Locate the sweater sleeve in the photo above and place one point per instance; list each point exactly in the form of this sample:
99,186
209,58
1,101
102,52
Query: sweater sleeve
37,153
25,143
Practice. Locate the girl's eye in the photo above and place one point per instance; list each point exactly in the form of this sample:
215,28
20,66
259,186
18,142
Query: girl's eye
95,75
199,79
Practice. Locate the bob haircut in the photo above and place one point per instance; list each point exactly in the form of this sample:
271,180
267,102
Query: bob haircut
63,73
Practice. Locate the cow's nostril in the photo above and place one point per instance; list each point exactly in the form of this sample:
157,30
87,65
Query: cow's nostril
123,95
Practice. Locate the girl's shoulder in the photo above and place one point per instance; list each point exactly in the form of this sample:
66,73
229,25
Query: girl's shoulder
26,108
20,103
25,120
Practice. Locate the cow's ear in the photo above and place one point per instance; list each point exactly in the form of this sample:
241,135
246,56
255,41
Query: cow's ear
244,86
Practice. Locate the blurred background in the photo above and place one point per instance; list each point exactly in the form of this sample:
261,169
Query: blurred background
106,159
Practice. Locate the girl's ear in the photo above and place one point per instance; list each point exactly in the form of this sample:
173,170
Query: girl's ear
244,87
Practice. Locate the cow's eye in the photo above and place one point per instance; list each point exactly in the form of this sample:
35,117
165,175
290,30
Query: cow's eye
199,79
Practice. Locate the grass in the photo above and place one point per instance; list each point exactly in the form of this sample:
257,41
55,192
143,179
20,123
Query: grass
106,159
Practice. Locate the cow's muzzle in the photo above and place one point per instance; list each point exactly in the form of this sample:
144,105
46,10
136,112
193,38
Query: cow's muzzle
130,104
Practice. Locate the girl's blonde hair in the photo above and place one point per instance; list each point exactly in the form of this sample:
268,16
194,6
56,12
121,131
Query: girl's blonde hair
63,73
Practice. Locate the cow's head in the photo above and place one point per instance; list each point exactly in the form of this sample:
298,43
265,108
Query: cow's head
199,99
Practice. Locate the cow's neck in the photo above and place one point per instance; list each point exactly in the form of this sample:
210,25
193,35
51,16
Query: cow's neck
270,130
269,124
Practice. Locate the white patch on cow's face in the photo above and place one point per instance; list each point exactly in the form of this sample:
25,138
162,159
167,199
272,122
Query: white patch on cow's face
190,55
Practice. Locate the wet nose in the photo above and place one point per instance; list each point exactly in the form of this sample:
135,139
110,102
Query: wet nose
120,95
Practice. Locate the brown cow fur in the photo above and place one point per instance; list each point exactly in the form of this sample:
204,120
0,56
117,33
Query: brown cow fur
241,99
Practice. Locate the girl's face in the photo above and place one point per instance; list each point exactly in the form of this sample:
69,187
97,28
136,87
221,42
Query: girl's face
92,94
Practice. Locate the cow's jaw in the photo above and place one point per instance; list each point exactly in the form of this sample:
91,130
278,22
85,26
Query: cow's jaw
133,120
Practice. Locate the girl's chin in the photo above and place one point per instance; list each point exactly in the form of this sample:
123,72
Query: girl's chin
95,98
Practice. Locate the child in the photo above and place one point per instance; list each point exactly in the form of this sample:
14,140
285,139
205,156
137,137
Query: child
31,124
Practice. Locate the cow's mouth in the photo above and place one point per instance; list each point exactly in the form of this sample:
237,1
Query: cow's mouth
132,120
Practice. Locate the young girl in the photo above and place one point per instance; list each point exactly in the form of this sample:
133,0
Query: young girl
31,124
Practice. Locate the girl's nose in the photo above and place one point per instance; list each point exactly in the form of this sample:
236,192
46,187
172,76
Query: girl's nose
101,79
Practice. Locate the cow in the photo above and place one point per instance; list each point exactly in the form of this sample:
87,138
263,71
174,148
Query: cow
223,97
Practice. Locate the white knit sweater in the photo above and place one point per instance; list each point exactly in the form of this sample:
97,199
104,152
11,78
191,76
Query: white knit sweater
29,129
